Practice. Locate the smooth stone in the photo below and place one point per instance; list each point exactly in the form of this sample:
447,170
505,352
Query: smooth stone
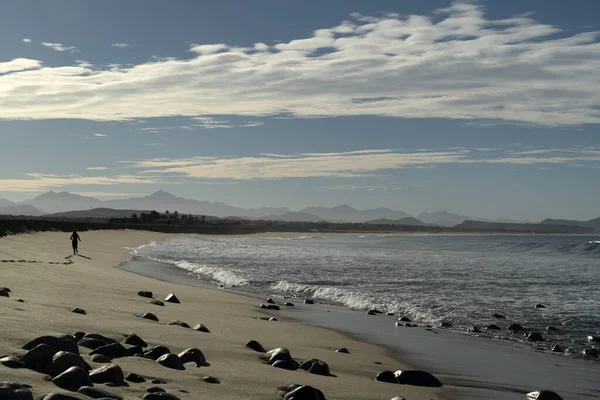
56,343
210,379
100,359
317,367
543,395
300,392
405,319
179,323
417,378
254,345
78,335
149,316
370,312
376,311
145,293
309,301
135,378
593,339
102,338
134,351
5,289
113,350
171,360
12,362
272,307
193,355
160,396
558,349
492,327
158,381
498,316
38,357
63,360
171,298
591,353
515,327
4,293
59,396
134,340
270,301
96,393
91,343
445,325
155,389
535,337
390,314
284,364
342,350
72,379
156,351
111,373
200,328
386,376
279,353
66,336
78,311
474,329
552,329
540,306
157,303
288,304
20,301
15,391
273,319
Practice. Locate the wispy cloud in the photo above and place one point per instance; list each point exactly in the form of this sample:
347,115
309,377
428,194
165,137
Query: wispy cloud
120,45
108,194
96,168
36,181
61,47
100,135
26,40
18,64
454,63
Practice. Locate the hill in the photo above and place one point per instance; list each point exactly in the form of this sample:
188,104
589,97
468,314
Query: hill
442,218
409,221
6,203
350,214
593,223
97,213
54,202
21,209
293,217
480,226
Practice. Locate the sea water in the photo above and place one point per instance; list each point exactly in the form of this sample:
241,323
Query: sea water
461,279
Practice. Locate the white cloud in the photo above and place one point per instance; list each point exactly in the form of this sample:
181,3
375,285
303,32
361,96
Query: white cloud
36,182
120,45
61,47
456,63
19,64
96,168
26,40
100,135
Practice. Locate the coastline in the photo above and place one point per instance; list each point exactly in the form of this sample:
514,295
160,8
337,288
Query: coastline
56,283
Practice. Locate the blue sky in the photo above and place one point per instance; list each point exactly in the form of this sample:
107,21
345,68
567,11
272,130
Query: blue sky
488,109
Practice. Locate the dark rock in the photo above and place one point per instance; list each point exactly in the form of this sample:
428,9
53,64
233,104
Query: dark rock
155,389
66,336
160,396
543,395
535,337
145,293
390,314
134,351
417,378
111,373
4,293
148,316
309,301
371,312
200,328
270,301
591,353
158,381
300,392
273,319
156,351
319,367
271,307
171,361
59,396
78,311
5,289
552,329
498,316
386,376
288,304
72,379
342,350
376,311
100,359
96,393
180,323
445,325
284,364
15,391
558,349
593,339
38,357
193,355
157,303
78,335
540,306
100,337
63,360
56,343
171,298
12,362
405,319
474,329
492,327
280,353
91,343
398,398
515,327
134,340
113,350
210,379
254,345
20,301
135,378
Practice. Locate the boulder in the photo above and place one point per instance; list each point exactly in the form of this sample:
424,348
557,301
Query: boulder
15,391
200,328
595,339
38,357
56,343
96,393
390,314
134,340
171,360
98,336
155,389
12,362
284,364
100,359
300,392
445,325
59,396
179,323
342,350
540,306
72,379
558,349
492,327
145,293
280,353
416,378
535,337
515,327
110,373
386,376
149,316
498,316
134,351
156,351
78,311
405,319
4,293
113,350
135,378
171,298
319,367
78,335
91,343
543,395
254,345
552,329
5,289
309,301
210,379
371,312
157,303
288,304
270,301
193,355
63,360
591,353
160,396
474,329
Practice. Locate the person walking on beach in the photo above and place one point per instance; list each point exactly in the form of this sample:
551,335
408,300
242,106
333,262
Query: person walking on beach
74,239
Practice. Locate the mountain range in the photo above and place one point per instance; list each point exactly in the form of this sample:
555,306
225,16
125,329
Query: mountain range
65,204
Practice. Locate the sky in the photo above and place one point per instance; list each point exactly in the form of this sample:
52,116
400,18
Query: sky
482,108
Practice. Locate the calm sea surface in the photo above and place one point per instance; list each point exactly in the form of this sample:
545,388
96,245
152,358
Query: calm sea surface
459,279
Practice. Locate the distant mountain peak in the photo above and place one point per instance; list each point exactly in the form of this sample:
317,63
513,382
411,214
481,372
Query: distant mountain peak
162,195
343,207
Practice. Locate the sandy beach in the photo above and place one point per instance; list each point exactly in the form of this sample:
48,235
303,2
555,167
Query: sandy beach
39,269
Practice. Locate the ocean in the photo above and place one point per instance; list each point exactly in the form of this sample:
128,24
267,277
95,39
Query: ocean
460,279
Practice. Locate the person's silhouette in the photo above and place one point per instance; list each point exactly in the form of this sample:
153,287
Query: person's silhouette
74,239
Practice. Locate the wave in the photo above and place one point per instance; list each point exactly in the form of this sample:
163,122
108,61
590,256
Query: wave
588,247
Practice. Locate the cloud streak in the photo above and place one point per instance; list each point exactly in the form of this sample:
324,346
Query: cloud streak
60,47
455,63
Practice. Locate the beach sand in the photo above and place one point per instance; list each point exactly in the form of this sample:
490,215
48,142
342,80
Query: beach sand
52,286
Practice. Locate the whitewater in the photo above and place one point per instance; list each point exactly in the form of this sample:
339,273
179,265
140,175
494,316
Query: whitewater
431,279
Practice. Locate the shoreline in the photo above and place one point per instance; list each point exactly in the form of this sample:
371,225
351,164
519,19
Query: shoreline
56,283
